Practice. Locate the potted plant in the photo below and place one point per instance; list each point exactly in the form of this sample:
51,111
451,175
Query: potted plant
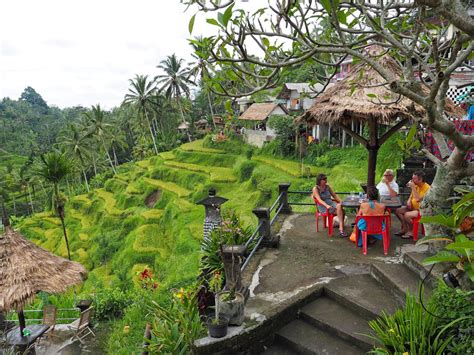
217,325
409,146
231,305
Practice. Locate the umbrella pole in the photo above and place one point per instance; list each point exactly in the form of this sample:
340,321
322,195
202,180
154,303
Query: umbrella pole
21,318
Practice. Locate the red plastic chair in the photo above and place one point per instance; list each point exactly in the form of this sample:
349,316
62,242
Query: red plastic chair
326,217
416,227
374,226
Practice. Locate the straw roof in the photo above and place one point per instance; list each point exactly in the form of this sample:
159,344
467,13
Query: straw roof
260,111
357,96
26,269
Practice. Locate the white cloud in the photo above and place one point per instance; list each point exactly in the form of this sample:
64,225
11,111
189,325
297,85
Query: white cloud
83,52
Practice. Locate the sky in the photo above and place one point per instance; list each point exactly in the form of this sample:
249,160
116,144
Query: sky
84,52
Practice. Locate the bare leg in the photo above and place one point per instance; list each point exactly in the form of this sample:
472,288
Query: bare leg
340,216
409,221
400,213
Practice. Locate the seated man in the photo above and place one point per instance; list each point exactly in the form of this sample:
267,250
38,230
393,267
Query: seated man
388,187
405,214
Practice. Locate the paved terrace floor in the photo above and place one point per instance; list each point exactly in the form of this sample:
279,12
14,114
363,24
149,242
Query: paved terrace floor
306,258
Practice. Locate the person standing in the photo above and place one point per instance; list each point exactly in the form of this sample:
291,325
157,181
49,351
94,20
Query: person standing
388,187
407,213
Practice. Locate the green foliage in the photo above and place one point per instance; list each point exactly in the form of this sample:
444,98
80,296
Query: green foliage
175,327
411,143
231,232
461,251
285,130
111,303
411,330
230,145
245,170
314,150
451,304
338,156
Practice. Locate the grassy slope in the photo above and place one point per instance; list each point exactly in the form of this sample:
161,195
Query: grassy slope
114,234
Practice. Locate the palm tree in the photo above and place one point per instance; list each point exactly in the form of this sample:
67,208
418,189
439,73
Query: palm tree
74,140
175,81
141,95
54,168
99,129
199,69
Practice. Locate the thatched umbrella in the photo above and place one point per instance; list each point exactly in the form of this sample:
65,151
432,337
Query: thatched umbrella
364,96
26,269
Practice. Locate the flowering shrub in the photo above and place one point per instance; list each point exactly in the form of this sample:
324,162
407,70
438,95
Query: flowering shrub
174,328
146,280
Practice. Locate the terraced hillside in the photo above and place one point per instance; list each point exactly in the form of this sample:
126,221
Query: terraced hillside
146,216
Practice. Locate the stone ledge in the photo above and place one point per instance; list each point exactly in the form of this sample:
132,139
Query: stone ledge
251,338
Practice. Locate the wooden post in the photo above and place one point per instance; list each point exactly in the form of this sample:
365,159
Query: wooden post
263,215
373,148
283,190
21,318
147,337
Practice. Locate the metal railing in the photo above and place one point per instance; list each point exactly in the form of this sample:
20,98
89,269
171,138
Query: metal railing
59,320
257,232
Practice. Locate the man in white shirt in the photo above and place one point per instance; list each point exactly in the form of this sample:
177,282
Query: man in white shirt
388,187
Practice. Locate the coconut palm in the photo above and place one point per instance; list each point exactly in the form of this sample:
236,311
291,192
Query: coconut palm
199,70
99,129
175,82
54,168
74,140
141,96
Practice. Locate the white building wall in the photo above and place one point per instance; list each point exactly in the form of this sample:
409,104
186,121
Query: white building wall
256,138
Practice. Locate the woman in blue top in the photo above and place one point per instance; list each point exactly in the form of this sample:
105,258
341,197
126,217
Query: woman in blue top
328,200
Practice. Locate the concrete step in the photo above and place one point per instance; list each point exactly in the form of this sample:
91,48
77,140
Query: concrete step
413,261
362,294
306,339
279,349
338,320
399,279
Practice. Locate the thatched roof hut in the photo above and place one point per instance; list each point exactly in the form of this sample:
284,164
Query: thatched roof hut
364,96
261,111
26,269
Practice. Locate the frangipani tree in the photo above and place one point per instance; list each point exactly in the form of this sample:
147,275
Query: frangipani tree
257,46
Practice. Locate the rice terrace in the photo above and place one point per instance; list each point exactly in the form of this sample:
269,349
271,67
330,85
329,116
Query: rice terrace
237,177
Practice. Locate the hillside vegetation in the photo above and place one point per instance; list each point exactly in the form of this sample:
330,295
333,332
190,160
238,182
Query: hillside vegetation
146,216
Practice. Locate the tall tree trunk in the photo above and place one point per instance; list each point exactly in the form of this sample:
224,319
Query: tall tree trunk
61,214
182,117
85,179
151,133
31,200
211,108
94,164
109,157
115,155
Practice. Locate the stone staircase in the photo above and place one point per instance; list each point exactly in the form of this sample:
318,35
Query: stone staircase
337,322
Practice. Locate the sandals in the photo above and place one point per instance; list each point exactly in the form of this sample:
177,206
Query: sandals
343,234
399,234
407,236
